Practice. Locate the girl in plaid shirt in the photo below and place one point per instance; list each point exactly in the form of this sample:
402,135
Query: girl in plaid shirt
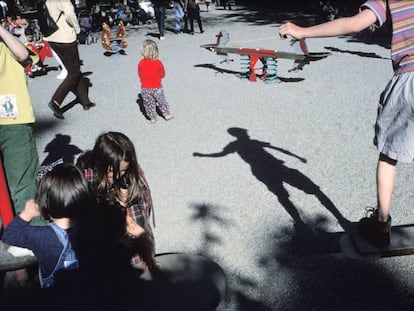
113,174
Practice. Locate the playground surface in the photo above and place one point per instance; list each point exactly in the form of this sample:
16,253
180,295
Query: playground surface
281,168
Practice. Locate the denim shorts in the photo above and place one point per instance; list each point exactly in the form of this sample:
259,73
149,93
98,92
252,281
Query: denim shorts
394,128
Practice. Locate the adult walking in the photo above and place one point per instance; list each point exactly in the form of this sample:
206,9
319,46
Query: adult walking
64,43
160,7
179,15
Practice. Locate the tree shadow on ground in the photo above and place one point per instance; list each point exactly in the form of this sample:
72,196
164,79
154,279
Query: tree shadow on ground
327,281
302,270
357,53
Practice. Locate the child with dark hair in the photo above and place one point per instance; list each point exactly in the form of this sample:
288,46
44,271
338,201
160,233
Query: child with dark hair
114,175
61,197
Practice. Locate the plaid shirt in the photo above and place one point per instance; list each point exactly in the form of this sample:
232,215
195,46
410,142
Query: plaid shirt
140,211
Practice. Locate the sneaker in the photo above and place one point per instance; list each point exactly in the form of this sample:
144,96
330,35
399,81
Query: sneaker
162,38
376,232
56,110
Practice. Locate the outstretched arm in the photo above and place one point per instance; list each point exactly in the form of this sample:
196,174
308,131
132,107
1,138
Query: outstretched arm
286,152
227,150
337,27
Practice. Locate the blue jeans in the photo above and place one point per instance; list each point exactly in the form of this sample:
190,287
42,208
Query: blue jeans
179,15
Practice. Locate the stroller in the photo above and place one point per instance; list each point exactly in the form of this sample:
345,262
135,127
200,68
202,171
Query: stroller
85,23
139,15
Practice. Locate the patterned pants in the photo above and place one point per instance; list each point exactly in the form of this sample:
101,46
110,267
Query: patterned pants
153,98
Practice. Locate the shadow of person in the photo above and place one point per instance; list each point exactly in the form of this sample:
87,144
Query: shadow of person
274,174
60,148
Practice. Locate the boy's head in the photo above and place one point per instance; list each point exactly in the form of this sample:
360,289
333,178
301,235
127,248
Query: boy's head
149,49
62,193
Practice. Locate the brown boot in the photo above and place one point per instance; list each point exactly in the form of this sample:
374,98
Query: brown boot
376,232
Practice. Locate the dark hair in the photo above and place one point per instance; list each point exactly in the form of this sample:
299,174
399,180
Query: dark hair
29,31
110,150
62,192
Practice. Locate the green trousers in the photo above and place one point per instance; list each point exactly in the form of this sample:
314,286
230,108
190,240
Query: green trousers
21,163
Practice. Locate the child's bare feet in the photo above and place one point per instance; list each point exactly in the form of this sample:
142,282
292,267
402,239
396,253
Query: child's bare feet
153,121
168,117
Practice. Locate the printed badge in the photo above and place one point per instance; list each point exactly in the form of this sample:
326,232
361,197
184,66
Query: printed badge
8,107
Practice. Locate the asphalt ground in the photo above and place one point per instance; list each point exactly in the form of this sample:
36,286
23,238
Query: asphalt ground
289,163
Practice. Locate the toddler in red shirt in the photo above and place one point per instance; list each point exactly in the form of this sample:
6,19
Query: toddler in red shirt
151,71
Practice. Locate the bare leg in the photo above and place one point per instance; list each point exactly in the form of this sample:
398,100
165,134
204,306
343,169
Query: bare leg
386,170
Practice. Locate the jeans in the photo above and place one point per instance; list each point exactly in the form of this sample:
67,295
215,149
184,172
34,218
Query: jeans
74,82
179,14
160,16
20,161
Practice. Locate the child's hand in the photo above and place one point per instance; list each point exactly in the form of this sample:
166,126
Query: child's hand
123,200
290,29
31,210
133,229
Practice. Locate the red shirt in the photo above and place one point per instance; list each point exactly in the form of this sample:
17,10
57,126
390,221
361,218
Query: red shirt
150,72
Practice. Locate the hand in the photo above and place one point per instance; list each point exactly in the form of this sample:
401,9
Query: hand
31,210
133,229
290,29
123,200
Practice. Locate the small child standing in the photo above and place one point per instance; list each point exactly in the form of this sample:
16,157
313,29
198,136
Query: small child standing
61,196
150,72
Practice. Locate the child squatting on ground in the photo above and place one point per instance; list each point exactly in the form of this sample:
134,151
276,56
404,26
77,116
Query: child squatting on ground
61,196
114,175
150,72
394,136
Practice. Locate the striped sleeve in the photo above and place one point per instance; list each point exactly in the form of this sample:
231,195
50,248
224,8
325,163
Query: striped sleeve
378,7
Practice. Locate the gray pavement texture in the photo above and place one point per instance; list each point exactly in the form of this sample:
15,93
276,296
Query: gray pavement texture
287,165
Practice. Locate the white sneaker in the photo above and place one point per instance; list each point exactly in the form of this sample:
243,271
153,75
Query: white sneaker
19,251
63,74
162,38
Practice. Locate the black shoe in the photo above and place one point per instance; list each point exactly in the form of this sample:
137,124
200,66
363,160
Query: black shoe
374,231
56,110
89,105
